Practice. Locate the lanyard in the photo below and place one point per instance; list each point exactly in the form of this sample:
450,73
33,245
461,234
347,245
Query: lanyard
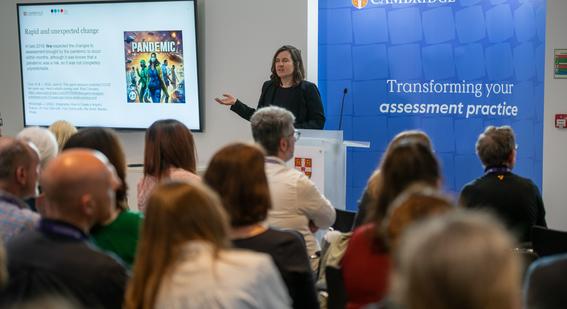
11,199
61,229
498,169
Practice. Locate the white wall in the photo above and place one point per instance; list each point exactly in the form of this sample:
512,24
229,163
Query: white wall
554,141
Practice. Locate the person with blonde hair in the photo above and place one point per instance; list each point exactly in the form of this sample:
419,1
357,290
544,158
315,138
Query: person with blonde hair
184,259
461,260
62,130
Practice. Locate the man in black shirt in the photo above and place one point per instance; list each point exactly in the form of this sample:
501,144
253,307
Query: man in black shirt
514,199
56,259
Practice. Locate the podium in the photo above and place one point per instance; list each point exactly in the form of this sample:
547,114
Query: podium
321,155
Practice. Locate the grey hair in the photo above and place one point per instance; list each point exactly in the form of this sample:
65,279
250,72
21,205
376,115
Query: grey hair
469,256
495,145
269,125
43,139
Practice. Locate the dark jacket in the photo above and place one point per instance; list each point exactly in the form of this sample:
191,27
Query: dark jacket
41,263
288,251
514,199
305,104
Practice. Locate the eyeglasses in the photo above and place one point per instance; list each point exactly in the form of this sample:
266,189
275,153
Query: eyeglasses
296,134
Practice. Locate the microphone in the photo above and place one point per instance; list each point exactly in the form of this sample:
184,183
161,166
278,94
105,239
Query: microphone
345,91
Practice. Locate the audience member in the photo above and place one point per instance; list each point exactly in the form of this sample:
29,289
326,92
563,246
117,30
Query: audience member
44,140
545,283
48,302
56,258
46,144
415,204
120,233
62,130
19,172
460,260
366,262
3,266
370,194
184,260
514,199
169,153
236,173
297,204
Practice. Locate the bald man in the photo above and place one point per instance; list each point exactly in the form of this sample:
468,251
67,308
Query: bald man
19,168
57,258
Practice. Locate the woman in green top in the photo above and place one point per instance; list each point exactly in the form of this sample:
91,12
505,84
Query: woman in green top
119,234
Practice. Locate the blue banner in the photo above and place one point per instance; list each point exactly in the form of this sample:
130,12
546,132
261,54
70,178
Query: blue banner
447,67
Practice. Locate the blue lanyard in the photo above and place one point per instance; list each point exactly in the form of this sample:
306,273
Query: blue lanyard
11,199
61,229
497,169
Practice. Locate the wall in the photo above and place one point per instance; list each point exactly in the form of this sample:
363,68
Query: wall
554,145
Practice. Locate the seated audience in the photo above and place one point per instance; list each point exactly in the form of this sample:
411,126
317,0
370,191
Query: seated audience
184,260
44,140
56,259
120,233
366,262
545,283
460,260
3,266
236,173
296,202
370,194
169,153
19,172
512,198
62,130
47,146
415,204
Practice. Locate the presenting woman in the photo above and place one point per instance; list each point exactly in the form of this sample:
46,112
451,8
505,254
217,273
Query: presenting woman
286,88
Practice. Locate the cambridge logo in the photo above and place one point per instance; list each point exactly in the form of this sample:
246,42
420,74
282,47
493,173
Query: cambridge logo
359,4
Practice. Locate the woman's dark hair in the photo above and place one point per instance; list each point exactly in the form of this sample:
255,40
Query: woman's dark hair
169,143
236,173
407,162
298,69
107,142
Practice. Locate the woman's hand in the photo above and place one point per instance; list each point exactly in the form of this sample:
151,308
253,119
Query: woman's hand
227,99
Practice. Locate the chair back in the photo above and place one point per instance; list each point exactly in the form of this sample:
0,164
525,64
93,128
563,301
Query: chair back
527,256
548,242
344,220
335,288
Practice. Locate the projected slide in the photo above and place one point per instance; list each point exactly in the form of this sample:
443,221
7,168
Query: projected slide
119,65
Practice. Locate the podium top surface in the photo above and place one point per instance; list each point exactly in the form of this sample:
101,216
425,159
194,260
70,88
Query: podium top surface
333,136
